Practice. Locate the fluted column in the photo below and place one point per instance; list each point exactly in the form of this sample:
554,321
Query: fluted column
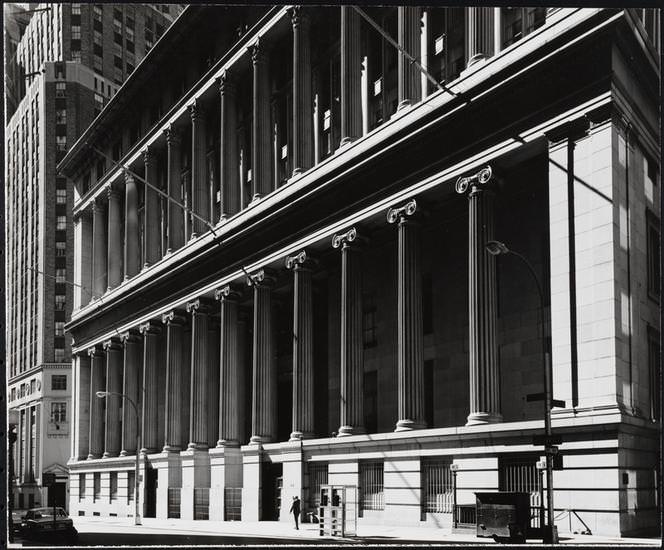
175,237
351,75
99,248
260,151
484,375
479,34
131,240
409,22
303,348
264,402
199,183
212,382
151,364
302,104
114,237
199,310
230,172
97,383
113,350
410,356
230,403
352,360
151,229
130,387
174,321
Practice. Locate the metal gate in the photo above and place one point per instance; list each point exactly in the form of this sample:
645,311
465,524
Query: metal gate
520,474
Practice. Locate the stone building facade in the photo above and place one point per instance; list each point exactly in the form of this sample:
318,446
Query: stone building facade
282,259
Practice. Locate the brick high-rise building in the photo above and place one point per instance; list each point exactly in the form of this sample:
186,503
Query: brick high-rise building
63,63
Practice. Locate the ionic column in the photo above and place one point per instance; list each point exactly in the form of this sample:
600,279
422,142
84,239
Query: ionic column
114,237
302,104
264,403
410,362
174,321
484,375
479,34
82,407
199,310
97,383
352,360
199,183
83,259
230,402
131,250
151,230
351,75
303,349
409,87
175,238
229,171
113,350
130,384
260,149
99,248
150,408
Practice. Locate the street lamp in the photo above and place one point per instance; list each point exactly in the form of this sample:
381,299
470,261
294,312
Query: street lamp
104,394
497,248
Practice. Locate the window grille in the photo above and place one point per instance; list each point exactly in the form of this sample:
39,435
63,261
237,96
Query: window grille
519,474
372,496
318,475
97,485
201,502
81,487
232,503
114,486
437,486
174,502
131,481
58,412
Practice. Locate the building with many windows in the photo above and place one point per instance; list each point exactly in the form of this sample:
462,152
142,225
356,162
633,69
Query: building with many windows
286,251
53,90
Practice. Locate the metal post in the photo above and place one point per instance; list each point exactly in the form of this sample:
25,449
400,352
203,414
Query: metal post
455,515
137,515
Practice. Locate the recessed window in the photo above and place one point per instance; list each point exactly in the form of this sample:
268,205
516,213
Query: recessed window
60,275
60,302
369,326
113,486
81,486
59,355
61,196
372,496
76,9
131,477
96,479
75,32
61,143
61,223
59,328
61,116
654,366
653,253
59,382
60,89
58,412
437,485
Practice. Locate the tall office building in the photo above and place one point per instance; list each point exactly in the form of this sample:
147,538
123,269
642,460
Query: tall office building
63,63
289,232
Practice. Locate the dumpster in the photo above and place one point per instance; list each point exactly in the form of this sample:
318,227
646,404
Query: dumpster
503,515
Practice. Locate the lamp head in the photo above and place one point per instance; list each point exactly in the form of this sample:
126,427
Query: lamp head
101,394
496,248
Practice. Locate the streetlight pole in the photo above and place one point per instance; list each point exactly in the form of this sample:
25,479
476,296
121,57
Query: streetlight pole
104,394
497,248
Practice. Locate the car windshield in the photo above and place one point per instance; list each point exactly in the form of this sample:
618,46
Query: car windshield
44,513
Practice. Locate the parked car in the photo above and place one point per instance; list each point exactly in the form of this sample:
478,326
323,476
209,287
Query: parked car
40,523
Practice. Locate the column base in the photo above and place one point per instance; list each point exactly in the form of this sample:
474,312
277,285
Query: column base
483,418
345,142
148,451
297,436
93,457
350,430
124,453
407,425
197,446
171,449
404,104
259,439
109,454
256,198
223,443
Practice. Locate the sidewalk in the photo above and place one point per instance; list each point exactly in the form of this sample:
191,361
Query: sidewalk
309,533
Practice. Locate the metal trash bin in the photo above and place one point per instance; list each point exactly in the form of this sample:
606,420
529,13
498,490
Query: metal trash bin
503,515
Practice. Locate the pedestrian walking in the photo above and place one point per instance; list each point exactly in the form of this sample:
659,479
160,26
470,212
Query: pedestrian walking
295,510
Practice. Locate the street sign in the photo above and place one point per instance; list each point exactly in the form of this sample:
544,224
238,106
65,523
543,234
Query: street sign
544,440
48,479
551,449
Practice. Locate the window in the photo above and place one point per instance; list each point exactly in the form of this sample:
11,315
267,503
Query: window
113,486
59,302
131,481
437,485
61,116
371,485
33,386
96,479
653,253
58,413
519,473
61,196
59,328
99,102
59,355
318,476
60,248
654,366
76,9
61,223
81,486
97,11
518,22
75,32
61,143
60,89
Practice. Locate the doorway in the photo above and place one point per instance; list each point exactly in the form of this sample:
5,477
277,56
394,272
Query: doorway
150,492
57,494
272,479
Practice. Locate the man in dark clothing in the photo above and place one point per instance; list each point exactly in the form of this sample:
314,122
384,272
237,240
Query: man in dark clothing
295,510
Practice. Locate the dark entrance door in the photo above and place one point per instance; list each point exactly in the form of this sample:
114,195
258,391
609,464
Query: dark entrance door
150,492
271,490
57,494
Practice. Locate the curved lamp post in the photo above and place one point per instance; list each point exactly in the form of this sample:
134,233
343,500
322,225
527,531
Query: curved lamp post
497,248
104,394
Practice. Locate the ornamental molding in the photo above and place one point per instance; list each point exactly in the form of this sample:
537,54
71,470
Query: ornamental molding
301,260
400,213
478,179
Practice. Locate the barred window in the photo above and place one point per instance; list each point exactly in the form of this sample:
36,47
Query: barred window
131,481
61,196
58,412
59,355
372,496
61,223
60,248
318,476
76,10
437,485
60,275
59,328
60,302
61,116
59,382
75,32
114,486
96,479
518,473
61,143
81,486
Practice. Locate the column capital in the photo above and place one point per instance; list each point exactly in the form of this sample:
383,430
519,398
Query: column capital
150,327
226,82
229,293
95,351
148,155
200,305
113,191
258,50
345,240
174,317
301,260
173,135
113,344
298,16
128,176
263,277
196,110
475,182
98,204
400,213
131,335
